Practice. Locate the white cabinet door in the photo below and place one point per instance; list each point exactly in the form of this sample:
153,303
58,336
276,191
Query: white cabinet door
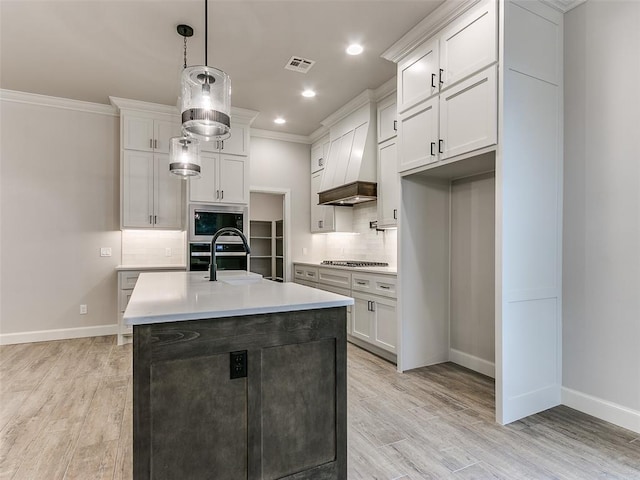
236,144
388,184
162,132
361,318
137,133
387,119
203,189
137,189
321,216
419,136
468,114
331,165
317,162
167,195
385,323
418,75
232,179
469,44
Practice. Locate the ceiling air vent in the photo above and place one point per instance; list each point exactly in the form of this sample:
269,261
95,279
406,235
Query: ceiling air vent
299,64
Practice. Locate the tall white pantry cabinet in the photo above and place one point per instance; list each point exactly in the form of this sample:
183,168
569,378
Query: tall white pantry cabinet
480,90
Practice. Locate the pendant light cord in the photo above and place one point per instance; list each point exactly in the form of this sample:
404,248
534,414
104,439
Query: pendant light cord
206,31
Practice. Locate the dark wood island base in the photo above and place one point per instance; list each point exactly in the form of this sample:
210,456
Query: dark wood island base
286,419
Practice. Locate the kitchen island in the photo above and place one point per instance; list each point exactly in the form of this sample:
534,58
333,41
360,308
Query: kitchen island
242,378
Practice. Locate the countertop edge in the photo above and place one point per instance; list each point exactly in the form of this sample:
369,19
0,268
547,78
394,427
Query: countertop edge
376,270
124,268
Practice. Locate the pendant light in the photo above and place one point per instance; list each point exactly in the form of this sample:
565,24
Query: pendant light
184,151
206,98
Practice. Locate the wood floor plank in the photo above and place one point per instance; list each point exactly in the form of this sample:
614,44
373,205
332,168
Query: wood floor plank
67,413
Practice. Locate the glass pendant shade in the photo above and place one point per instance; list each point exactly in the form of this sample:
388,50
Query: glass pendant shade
184,156
206,103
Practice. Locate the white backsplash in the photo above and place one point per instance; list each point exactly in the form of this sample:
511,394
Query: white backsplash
367,244
149,247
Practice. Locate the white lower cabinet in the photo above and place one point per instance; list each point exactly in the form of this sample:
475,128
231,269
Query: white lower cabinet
372,321
375,320
127,280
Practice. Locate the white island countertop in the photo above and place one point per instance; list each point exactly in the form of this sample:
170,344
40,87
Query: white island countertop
175,296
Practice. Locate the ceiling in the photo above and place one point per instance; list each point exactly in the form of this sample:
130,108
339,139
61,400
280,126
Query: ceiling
92,49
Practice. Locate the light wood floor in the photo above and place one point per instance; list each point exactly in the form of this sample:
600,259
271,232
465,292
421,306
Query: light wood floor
66,413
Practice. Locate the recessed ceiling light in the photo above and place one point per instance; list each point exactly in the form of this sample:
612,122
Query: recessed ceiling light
354,49
279,121
308,93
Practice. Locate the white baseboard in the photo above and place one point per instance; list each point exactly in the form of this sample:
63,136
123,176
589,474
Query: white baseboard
476,364
603,409
58,334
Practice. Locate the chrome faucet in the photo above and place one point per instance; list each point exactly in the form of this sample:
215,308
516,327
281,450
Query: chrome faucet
222,231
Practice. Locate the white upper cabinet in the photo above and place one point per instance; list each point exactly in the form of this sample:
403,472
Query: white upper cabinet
468,44
151,195
388,184
236,144
465,46
319,154
469,115
418,75
148,134
387,119
223,179
418,139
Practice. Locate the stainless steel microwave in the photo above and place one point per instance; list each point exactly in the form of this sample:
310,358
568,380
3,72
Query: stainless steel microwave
206,220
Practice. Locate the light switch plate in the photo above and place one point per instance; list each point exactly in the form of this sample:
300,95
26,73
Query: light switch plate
105,251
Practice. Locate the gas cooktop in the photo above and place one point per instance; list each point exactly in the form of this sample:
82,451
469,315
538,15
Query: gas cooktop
353,263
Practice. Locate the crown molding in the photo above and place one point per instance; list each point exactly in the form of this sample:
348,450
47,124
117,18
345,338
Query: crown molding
364,98
282,136
386,89
318,134
129,104
245,115
56,102
563,5
440,17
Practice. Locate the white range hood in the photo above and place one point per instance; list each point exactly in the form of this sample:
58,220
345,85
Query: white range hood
350,174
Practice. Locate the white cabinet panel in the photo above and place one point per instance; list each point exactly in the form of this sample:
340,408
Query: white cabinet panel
387,119
388,184
361,319
357,151
236,144
331,167
233,179
468,115
386,324
163,131
342,162
167,195
469,44
137,189
419,136
417,75
223,179
322,217
137,133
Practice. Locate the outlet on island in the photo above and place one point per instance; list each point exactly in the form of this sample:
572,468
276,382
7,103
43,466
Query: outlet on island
238,364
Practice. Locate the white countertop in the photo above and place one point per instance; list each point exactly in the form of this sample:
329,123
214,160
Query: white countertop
383,270
173,296
121,268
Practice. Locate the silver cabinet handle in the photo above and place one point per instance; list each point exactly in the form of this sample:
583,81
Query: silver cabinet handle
217,194
373,306
440,79
433,145
440,146
385,287
361,283
320,162
155,219
433,80
151,143
155,143
150,220
221,194
395,125
395,213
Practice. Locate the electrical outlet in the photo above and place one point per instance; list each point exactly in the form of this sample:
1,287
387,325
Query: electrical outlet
105,251
167,252
238,364
83,309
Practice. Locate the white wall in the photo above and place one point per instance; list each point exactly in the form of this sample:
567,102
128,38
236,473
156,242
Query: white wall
601,270
265,206
286,165
59,171
472,294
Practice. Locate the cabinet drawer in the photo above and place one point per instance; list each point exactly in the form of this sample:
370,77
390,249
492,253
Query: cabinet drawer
336,278
128,279
384,285
309,274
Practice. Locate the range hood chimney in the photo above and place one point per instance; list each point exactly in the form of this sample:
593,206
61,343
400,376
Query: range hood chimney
350,175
